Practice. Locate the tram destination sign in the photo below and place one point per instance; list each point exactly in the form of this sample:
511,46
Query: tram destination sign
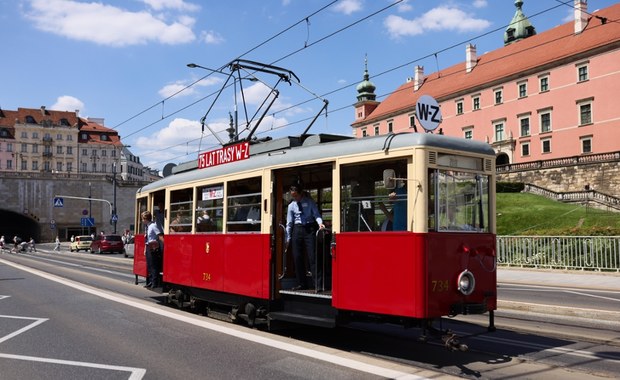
225,155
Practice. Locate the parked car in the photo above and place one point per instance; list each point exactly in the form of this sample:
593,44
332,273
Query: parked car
129,246
107,243
81,242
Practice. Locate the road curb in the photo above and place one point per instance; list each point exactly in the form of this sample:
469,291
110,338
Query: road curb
590,314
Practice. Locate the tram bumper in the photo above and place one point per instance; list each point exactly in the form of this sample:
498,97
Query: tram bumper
468,308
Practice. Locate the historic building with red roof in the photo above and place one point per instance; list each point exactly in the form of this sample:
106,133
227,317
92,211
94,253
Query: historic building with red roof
543,95
38,140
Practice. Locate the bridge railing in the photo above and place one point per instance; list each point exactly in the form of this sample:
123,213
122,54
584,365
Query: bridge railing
592,253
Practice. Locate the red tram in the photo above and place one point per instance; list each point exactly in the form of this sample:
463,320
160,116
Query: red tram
438,261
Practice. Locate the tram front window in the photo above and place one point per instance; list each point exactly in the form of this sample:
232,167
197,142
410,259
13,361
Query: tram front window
458,201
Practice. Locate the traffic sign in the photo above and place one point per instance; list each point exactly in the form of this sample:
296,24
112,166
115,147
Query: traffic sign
428,112
114,218
87,222
58,202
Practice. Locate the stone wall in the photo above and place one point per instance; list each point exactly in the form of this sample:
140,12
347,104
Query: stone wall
26,201
603,177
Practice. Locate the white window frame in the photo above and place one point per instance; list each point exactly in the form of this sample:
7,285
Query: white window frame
582,141
529,124
498,93
542,145
583,66
525,144
475,99
541,113
583,103
519,86
497,132
545,78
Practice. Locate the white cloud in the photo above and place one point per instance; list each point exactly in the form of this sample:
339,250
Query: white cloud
348,6
107,25
68,103
480,3
437,19
404,6
172,88
211,37
181,5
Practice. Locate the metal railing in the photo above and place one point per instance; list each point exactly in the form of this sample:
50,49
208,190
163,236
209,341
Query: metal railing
592,253
609,201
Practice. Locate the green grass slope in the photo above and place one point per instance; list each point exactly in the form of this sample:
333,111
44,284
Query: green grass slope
529,214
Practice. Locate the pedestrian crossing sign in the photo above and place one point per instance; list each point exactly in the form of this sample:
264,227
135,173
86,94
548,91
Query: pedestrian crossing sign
58,202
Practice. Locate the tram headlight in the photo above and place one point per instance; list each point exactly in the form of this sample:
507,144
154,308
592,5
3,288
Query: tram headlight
466,282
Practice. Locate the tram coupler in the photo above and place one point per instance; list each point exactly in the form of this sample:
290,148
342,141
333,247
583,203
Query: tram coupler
453,343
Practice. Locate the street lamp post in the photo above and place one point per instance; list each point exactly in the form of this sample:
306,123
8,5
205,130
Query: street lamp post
114,217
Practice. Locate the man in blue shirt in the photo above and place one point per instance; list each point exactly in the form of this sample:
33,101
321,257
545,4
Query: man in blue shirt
302,221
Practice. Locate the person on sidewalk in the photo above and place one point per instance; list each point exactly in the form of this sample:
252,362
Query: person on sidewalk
57,246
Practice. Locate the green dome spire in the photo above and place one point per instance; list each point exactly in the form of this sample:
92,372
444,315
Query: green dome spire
520,27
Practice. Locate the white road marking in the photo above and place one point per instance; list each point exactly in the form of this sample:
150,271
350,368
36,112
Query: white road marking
188,318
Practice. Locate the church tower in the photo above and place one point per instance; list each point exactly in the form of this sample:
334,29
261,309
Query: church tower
366,98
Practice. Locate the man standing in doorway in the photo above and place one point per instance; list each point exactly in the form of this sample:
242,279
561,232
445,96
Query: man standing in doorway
302,221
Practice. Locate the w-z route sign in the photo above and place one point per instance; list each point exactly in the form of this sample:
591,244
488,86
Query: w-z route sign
428,112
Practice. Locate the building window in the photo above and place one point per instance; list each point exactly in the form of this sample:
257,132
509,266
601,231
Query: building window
58,136
69,166
9,147
475,103
24,165
582,72
390,126
459,107
84,152
376,130
104,168
24,148
58,166
523,89
94,153
9,164
69,150
499,132
544,83
468,133
84,167
25,135
104,153
585,113
84,136
69,138
545,122
525,126
498,96
35,165
412,121
525,149
364,133
586,144
94,167
546,145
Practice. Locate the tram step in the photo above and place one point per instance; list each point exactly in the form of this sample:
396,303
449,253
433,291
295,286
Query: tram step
302,319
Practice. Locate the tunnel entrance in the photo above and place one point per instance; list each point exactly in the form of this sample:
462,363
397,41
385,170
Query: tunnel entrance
15,224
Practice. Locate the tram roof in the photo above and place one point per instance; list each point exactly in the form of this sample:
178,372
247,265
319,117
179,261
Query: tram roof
318,147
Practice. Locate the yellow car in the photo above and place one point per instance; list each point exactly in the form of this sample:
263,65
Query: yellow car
81,242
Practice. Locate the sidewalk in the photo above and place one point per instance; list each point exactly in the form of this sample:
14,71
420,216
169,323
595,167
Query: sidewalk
560,278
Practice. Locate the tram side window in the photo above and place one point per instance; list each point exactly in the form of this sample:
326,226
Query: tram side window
210,208
181,204
366,204
244,205
461,201
141,207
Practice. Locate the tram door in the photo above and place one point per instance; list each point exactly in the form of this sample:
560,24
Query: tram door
316,181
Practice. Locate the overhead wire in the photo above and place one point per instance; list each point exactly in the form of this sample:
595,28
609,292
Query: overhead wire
306,45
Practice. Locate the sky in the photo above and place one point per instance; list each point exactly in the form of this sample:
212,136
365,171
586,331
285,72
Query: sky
126,61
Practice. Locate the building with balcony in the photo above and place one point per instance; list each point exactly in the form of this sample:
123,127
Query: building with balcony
543,95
